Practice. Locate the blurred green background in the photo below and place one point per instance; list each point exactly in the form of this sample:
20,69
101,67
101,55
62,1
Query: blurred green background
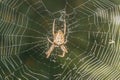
92,35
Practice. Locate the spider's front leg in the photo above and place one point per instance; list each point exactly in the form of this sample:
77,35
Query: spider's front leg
50,50
53,28
64,51
64,27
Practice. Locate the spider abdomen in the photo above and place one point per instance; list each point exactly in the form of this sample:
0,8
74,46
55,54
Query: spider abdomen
59,38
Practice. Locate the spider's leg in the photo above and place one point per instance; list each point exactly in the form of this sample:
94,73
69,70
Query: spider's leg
64,27
49,51
65,41
64,51
53,29
64,48
49,40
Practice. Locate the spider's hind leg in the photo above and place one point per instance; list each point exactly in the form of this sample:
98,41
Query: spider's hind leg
64,51
63,54
49,51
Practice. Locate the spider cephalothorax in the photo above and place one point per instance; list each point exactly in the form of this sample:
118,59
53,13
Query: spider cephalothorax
58,40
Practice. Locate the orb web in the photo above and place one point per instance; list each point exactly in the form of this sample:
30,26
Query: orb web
92,40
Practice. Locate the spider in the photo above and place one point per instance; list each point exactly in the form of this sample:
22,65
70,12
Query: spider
58,40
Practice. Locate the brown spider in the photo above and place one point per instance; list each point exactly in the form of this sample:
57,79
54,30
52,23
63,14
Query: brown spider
58,40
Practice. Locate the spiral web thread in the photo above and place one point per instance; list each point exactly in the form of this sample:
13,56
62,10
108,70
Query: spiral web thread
92,34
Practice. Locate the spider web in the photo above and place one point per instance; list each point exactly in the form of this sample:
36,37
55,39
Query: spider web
92,40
